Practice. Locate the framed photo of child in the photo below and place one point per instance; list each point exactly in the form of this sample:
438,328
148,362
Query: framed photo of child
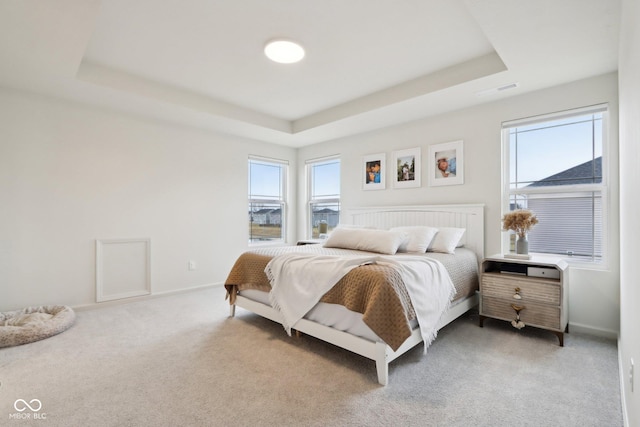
373,172
446,164
407,168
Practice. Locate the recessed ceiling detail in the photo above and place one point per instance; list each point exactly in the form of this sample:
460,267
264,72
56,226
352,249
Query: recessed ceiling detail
200,63
440,80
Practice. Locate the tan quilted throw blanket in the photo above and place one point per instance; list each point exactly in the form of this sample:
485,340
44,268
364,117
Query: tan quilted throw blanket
376,291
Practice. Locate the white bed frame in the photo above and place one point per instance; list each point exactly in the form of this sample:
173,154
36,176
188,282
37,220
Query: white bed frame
470,217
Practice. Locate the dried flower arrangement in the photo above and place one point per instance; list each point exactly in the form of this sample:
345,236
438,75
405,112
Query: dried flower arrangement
520,221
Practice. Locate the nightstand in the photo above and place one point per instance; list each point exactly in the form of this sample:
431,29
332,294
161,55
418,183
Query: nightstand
310,242
526,292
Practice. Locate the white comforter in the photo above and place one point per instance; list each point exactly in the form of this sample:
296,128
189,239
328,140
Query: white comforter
298,282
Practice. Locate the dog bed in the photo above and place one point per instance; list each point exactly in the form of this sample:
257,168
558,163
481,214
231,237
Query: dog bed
34,324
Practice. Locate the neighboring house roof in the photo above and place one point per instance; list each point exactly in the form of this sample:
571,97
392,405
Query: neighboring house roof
266,211
586,173
325,210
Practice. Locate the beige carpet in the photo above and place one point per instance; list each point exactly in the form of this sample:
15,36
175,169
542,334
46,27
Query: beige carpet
180,361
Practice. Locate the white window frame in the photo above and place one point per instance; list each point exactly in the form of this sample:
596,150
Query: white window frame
602,188
282,201
311,201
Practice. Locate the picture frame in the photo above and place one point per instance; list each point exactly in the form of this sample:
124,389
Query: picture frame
407,168
446,164
373,172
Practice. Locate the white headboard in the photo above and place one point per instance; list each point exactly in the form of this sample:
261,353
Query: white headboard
470,217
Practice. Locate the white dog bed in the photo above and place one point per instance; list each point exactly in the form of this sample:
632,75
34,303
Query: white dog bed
34,324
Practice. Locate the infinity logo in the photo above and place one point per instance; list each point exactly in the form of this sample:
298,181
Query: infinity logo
26,405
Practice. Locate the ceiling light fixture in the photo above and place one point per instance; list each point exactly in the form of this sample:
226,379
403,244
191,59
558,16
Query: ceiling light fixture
284,51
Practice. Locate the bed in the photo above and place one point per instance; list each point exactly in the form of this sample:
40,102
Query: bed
372,327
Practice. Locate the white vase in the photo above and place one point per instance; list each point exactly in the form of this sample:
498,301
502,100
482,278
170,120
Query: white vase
522,245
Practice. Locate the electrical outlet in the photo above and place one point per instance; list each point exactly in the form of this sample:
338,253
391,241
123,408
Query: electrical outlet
631,374
192,265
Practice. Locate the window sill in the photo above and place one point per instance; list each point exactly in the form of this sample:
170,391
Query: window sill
267,244
586,264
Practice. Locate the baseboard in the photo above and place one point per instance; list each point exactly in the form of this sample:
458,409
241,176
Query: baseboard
623,379
591,330
144,297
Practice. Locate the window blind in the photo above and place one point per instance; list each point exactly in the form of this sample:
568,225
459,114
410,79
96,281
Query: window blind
570,224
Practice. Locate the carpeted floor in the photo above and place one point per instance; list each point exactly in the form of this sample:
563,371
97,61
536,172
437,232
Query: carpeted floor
179,360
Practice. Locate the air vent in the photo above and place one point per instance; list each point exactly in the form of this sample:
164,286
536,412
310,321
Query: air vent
497,89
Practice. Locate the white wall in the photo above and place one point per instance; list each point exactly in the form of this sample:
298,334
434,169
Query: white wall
594,294
629,69
70,175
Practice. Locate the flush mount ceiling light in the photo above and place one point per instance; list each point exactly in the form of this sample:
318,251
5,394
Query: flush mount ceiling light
284,51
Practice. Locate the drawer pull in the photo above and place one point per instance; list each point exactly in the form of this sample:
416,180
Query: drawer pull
517,294
517,323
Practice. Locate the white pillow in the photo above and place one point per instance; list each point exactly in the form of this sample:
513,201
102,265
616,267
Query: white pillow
419,238
447,240
364,239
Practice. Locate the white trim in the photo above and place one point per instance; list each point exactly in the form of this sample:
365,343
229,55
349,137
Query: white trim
282,201
623,380
558,115
113,303
323,159
309,165
602,188
263,159
591,330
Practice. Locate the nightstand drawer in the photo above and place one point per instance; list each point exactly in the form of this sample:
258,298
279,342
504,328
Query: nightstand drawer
533,314
537,290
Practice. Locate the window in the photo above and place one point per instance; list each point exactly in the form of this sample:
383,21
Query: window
554,167
267,200
323,177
